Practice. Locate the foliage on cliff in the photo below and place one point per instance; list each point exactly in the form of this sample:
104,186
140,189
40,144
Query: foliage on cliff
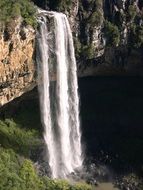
20,138
112,34
13,9
129,18
17,172
14,136
120,24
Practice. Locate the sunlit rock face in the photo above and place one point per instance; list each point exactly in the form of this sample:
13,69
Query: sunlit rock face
16,61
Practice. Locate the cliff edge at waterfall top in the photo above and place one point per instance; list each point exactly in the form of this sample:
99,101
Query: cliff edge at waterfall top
71,95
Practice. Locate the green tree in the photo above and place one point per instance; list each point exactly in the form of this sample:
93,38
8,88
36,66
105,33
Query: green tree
96,18
136,36
20,139
131,13
9,167
10,10
112,34
29,177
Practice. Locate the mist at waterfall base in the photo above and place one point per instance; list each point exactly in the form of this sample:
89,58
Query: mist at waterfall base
59,103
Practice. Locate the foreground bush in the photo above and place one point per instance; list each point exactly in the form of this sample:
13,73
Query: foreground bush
18,173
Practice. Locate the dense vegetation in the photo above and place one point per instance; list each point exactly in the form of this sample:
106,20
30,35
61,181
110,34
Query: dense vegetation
112,34
131,19
17,173
20,138
10,10
91,16
13,136
119,27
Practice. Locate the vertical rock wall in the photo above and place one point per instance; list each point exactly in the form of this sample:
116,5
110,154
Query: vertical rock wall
16,61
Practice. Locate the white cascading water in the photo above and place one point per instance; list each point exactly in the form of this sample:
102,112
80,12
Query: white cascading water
42,59
61,121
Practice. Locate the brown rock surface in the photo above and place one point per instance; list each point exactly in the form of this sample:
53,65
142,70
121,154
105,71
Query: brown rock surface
17,67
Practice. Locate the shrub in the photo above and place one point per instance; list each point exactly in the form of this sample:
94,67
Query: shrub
87,52
83,186
112,34
96,18
136,36
9,166
131,13
30,179
20,139
17,173
98,3
64,185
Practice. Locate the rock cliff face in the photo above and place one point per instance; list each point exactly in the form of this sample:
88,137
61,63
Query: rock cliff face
108,34
108,38
16,63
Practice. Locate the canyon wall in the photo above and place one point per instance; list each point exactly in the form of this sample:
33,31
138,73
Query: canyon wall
108,38
108,34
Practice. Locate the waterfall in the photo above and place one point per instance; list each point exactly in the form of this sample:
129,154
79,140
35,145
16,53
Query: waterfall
59,102
43,86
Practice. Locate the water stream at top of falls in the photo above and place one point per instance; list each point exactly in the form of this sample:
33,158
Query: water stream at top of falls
59,103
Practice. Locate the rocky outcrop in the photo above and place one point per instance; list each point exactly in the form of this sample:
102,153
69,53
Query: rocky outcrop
16,61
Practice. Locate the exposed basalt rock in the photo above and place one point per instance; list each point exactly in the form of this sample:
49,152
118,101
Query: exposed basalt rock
16,61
